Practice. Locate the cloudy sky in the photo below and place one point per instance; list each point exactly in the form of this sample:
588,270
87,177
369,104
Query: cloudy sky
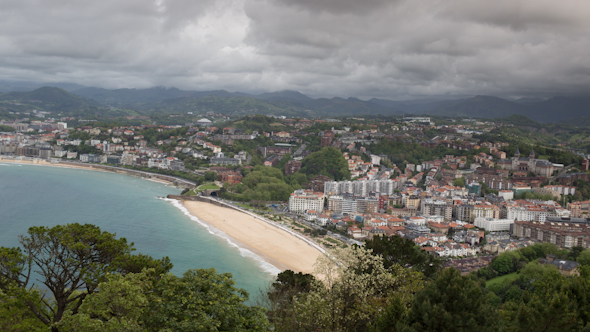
393,49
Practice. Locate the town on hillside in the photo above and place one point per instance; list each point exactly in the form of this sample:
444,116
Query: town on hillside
462,189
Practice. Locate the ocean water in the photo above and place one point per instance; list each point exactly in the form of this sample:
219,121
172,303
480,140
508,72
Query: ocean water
46,196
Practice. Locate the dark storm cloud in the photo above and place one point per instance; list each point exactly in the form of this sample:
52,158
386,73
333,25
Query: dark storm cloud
388,49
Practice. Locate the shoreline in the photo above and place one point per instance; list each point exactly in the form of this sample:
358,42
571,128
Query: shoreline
41,162
271,243
266,243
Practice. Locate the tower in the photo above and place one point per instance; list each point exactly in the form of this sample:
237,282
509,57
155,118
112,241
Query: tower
517,153
532,154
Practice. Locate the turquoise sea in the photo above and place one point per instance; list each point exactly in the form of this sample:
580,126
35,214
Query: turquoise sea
46,196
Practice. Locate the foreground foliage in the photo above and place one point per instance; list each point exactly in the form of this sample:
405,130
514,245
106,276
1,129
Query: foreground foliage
88,280
200,300
354,289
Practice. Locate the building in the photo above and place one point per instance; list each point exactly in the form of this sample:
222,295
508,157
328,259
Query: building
292,166
224,161
303,200
540,167
360,187
204,122
436,207
327,138
271,161
567,268
564,233
89,158
350,204
579,209
231,177
412,203
493,225
568,179
278,150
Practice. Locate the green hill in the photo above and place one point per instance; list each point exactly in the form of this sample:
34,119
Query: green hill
48,99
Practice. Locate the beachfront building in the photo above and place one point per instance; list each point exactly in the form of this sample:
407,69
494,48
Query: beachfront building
360,187
350,204
303,200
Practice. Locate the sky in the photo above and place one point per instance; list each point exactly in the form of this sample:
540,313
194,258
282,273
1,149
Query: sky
391,49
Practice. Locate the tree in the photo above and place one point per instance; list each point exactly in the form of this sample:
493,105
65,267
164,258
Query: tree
210,176
503,264
15,314
200,300
328,161
355,289
451,303
280,295
584,258
459,182
397,250
119,305
71,260
554,304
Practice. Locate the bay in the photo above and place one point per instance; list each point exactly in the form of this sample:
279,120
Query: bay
47,196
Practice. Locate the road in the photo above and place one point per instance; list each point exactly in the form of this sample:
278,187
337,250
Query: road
300,150
563,171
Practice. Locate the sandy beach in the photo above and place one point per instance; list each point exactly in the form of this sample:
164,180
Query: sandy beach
276,246
40,162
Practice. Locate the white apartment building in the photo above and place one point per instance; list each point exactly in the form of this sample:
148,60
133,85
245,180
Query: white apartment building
302,200
360,187
493,225
535,213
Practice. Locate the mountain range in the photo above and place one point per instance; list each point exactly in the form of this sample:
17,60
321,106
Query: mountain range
293,103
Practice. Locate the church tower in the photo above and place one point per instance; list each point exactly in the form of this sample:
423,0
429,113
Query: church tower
517,153
532,154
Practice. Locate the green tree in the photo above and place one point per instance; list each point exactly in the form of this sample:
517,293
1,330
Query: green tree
119,305
584,258
451,303
459,182
544,300
15,313
280,295
328,161
503,264
210,176
71,260
397,250
200,300
355,289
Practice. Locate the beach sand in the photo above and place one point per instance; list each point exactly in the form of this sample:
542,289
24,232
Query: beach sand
275,245
40,162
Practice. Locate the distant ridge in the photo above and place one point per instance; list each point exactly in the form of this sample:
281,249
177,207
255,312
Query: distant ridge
294,103
50,99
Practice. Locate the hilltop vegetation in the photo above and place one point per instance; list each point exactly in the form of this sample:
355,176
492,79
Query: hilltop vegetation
265,184
328,161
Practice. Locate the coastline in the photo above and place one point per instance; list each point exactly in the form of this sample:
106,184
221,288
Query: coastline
274,248
88,167
274,245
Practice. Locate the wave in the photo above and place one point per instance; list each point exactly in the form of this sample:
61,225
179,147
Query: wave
264,265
